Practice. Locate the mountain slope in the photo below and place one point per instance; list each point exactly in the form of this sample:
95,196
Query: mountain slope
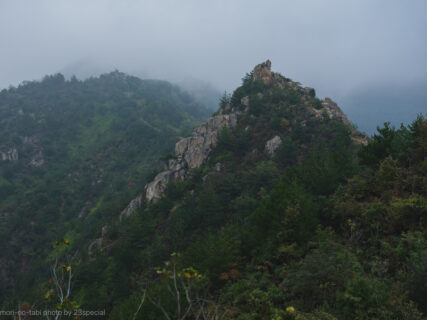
272,217
73,151
275,208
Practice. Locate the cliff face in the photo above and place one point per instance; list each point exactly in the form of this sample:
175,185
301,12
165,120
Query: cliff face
190,153
28,145
9,155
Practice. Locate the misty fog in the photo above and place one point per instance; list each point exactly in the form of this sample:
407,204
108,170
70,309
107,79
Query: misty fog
341,48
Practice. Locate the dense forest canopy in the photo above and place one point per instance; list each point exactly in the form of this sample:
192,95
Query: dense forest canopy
74,152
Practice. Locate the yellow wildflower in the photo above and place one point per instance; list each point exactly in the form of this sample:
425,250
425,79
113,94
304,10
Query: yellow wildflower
290,309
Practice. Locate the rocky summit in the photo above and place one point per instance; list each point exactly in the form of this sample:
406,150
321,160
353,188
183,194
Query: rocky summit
193,151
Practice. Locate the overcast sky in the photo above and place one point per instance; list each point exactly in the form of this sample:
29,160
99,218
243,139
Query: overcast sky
335,46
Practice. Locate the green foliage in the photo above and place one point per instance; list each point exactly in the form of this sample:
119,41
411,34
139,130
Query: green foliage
312,232
322,171
237,142
396,143
323,272
317,103
214,253
98,138
225,100
364,299
255,105
286,154
236,97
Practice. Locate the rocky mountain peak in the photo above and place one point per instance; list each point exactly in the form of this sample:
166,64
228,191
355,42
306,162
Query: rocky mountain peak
263,72
192,152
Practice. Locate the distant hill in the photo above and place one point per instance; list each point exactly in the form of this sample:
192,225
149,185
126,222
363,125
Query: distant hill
72,153
203,92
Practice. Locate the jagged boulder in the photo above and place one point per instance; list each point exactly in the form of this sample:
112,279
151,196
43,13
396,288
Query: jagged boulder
263,72
195,149
154,190
272,145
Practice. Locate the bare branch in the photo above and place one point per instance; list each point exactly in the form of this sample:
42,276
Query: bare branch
178,302
140,305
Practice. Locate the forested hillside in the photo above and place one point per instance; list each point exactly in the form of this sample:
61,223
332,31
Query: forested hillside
276,208
72,153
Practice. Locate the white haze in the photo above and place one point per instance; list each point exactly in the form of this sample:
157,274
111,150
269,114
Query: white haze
334,46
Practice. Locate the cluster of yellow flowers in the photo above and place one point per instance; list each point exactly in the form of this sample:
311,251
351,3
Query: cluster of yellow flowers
290,309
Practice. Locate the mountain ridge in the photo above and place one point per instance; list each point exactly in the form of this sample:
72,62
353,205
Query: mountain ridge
197,148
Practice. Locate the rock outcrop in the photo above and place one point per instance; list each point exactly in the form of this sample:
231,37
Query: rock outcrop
272,145
37,159
263,72
334,111
29,148
97,243
10,155
190,153
132,206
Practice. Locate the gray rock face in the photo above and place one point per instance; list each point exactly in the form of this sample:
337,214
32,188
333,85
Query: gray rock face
95,244
29,146
190,153
263,72
37,160
334,112
135,204
9,155
195,149
272,145
154,190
